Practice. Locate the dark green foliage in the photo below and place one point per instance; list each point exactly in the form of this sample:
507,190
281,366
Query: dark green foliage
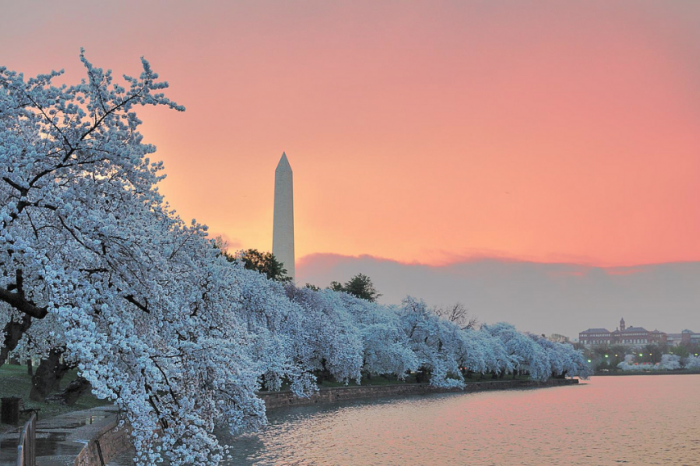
263,262
360,286
652,353
681,350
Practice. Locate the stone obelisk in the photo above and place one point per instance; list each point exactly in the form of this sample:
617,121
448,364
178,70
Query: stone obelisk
283,224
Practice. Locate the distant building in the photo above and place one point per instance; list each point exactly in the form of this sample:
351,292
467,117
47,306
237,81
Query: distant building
686,337
621,336
595,337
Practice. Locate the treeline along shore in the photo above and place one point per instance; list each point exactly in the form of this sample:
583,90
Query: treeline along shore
287,399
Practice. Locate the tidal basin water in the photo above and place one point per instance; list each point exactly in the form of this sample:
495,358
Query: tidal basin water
639,420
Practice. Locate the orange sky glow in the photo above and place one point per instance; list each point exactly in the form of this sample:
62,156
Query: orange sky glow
423,132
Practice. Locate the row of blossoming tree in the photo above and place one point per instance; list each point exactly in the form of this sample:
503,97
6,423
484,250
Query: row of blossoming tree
669,362
96,267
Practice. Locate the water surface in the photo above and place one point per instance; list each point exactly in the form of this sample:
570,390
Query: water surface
640,420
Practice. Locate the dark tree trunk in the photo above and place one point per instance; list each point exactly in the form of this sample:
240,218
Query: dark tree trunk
324,373
423,375
30,368
73,391
13,332
48,375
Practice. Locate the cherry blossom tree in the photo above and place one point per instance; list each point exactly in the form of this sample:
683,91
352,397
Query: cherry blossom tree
525,354
628,363
333,343
670,362
386,349
563,358
435,343
691,362
139,300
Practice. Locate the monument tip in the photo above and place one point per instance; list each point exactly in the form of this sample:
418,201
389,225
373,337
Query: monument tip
284,163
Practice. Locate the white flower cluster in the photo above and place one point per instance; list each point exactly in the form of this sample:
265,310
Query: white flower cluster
669,362
94,262
692,362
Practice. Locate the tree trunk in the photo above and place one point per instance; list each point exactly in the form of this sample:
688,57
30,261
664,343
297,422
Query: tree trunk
30,368
13,332
324,373
48,375
73,391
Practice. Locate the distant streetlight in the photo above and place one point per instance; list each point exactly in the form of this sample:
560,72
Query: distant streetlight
589,360
606,355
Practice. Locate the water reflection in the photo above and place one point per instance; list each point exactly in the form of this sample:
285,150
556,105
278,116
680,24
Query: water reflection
608,420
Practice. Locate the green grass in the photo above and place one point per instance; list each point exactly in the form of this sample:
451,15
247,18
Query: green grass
14,381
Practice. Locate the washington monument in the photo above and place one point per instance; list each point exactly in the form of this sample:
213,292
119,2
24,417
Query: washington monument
283,223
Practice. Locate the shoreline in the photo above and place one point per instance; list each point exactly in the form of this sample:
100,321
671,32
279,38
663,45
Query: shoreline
286,399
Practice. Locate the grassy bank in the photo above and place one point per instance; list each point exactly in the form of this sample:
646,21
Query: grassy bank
14,381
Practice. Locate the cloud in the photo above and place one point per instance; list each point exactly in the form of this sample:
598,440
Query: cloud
539,297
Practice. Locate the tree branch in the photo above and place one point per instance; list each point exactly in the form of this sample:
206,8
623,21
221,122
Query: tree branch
18,301
133,301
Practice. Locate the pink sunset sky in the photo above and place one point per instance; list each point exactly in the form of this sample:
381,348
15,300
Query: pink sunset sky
419,132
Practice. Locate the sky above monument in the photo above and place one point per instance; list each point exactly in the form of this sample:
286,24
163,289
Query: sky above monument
421,132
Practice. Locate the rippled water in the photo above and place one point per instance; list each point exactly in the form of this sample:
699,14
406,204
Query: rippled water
641,420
